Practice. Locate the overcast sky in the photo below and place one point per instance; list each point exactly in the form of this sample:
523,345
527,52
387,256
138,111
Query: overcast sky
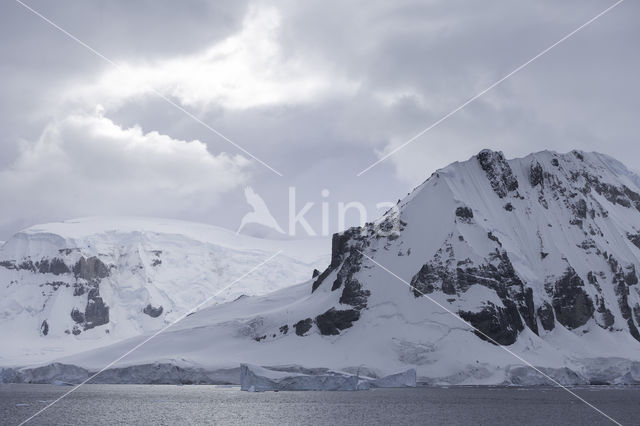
318,90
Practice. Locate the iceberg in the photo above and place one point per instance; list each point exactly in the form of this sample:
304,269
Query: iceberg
254,378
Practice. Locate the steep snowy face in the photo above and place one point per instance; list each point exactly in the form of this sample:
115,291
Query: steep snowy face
106,279
549,240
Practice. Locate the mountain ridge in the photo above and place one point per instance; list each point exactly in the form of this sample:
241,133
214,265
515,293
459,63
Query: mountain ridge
540,253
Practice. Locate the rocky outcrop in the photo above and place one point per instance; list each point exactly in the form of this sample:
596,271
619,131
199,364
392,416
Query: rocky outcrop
495,324
498,172
572,305
96,312
333,321
536,174
303,326
152,311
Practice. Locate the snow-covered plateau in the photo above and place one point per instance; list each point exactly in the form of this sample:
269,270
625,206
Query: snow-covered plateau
84,283
538,254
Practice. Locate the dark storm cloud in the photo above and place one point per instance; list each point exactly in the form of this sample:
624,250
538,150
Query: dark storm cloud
381,72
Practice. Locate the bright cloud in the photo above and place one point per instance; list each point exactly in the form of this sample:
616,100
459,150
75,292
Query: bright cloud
88,165
243,71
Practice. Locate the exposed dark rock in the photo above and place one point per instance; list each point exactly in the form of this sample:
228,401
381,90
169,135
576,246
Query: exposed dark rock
339,249
284,329
77,316
607,318
464,213
156,262
303,326
493,238
635,239
497,325
536,174
527,310
91,269
7,264
620,195
332,321
508,207
96,312
78,289
545,313
315,273
622,291
573,306
423,282
349,267
54,266
354,294
55,285
630,276
44,328
498,172
580,209
152,311
554,162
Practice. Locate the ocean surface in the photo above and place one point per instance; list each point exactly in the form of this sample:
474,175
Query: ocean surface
195,405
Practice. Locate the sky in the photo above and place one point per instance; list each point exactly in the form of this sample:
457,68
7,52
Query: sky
172,109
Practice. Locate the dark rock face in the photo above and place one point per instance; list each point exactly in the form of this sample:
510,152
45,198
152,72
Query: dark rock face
451,276
622,291
44,328
536,174
303,326
77,316
54,266
464,213
96,312
332,321
620,195
572,305
423,282
339,249
346,258
151,311
497,323
545,313
91,269
635,239
315,273
607,318
284,329
353,294
498,172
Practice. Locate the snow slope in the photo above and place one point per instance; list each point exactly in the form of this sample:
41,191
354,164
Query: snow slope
538,253
76,284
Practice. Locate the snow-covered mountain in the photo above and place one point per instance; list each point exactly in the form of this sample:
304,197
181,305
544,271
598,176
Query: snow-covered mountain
538,253
73,285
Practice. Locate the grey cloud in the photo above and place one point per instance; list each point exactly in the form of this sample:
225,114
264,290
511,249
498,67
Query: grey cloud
413,62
